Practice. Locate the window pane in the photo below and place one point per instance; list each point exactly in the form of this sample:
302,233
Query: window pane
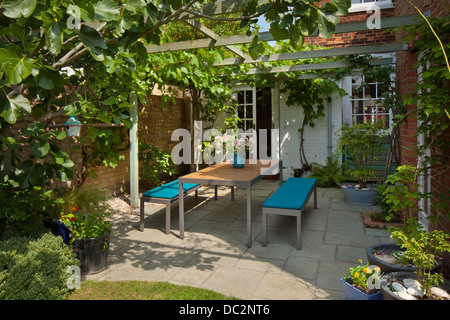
357,107
241,112
370,91
240,97
249,124
249,96
249,111
357,92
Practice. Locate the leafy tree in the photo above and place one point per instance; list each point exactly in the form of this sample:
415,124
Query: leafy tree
99,46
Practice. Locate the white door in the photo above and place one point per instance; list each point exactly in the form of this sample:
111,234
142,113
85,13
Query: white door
246,111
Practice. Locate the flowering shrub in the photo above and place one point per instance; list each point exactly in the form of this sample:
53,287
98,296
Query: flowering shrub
92,225
363,276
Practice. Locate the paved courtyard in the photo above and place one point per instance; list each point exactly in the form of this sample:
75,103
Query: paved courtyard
214,254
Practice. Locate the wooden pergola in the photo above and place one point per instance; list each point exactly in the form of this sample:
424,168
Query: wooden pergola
213,40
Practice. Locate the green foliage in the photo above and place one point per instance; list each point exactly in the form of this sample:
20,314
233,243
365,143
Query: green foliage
422,248
361,142
86,226
431,95
156,166
401,192
35,269
328,175
86,199
22,210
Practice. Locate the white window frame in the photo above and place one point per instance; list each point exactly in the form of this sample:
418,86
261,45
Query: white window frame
382,4
375,107
423,180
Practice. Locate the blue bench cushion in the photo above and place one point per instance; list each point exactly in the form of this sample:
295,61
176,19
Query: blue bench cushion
168,190
292,194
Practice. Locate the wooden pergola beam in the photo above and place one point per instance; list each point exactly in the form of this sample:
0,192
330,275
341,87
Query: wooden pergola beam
357,26
376,48
318,66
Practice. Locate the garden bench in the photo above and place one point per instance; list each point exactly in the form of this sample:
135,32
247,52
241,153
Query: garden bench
165,194
290,199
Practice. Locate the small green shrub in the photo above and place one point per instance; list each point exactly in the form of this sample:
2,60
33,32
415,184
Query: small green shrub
35,269
328,175
156,166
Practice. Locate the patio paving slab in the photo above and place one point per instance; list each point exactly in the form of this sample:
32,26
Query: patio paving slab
214,255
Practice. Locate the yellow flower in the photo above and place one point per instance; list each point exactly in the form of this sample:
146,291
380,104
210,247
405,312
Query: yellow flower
366,270
356,274
377,269
360,260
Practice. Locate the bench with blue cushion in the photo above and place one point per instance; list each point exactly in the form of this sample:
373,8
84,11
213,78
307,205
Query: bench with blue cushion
290,199
165,194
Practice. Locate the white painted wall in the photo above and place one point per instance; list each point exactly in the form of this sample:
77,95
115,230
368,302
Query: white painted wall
316,138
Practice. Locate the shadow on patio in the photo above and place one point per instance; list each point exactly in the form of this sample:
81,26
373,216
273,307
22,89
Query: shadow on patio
214,255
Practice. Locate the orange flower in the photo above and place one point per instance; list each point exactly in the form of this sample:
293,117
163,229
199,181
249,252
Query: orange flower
75,208
366,270
356,274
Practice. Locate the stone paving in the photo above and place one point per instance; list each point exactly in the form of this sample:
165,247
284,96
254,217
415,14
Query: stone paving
214,255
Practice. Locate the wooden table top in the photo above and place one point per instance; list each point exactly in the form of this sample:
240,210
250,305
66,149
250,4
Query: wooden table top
226,172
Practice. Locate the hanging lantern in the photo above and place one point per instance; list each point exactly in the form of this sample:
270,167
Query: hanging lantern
73,126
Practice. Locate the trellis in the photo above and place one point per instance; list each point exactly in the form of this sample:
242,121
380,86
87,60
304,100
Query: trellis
213,40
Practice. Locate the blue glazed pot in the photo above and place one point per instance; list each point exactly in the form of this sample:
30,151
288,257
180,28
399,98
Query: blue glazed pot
238,161
352,293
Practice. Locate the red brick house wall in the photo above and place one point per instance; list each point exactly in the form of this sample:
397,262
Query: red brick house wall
406,76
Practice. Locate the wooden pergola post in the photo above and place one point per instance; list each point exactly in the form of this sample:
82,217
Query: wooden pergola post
134,161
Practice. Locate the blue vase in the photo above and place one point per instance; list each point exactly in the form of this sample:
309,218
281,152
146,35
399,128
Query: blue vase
238,161
352,293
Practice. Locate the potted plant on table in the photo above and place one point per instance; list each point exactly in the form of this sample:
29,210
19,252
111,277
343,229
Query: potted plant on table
362,283
360,143
237,144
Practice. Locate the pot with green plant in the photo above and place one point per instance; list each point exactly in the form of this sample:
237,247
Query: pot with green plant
422,248
400,196
362,283
360,144
89,237
87,216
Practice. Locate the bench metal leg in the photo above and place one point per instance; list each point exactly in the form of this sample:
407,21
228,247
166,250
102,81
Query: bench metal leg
215,192
141,215
264,230
299,228
168,218
232,193
315,196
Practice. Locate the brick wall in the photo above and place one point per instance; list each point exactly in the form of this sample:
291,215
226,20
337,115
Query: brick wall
356,38
156,125
406,76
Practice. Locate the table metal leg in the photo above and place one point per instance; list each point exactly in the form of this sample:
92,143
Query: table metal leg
181,208
249,216
281,172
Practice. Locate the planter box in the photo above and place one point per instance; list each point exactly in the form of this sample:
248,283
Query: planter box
369,223
352,293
